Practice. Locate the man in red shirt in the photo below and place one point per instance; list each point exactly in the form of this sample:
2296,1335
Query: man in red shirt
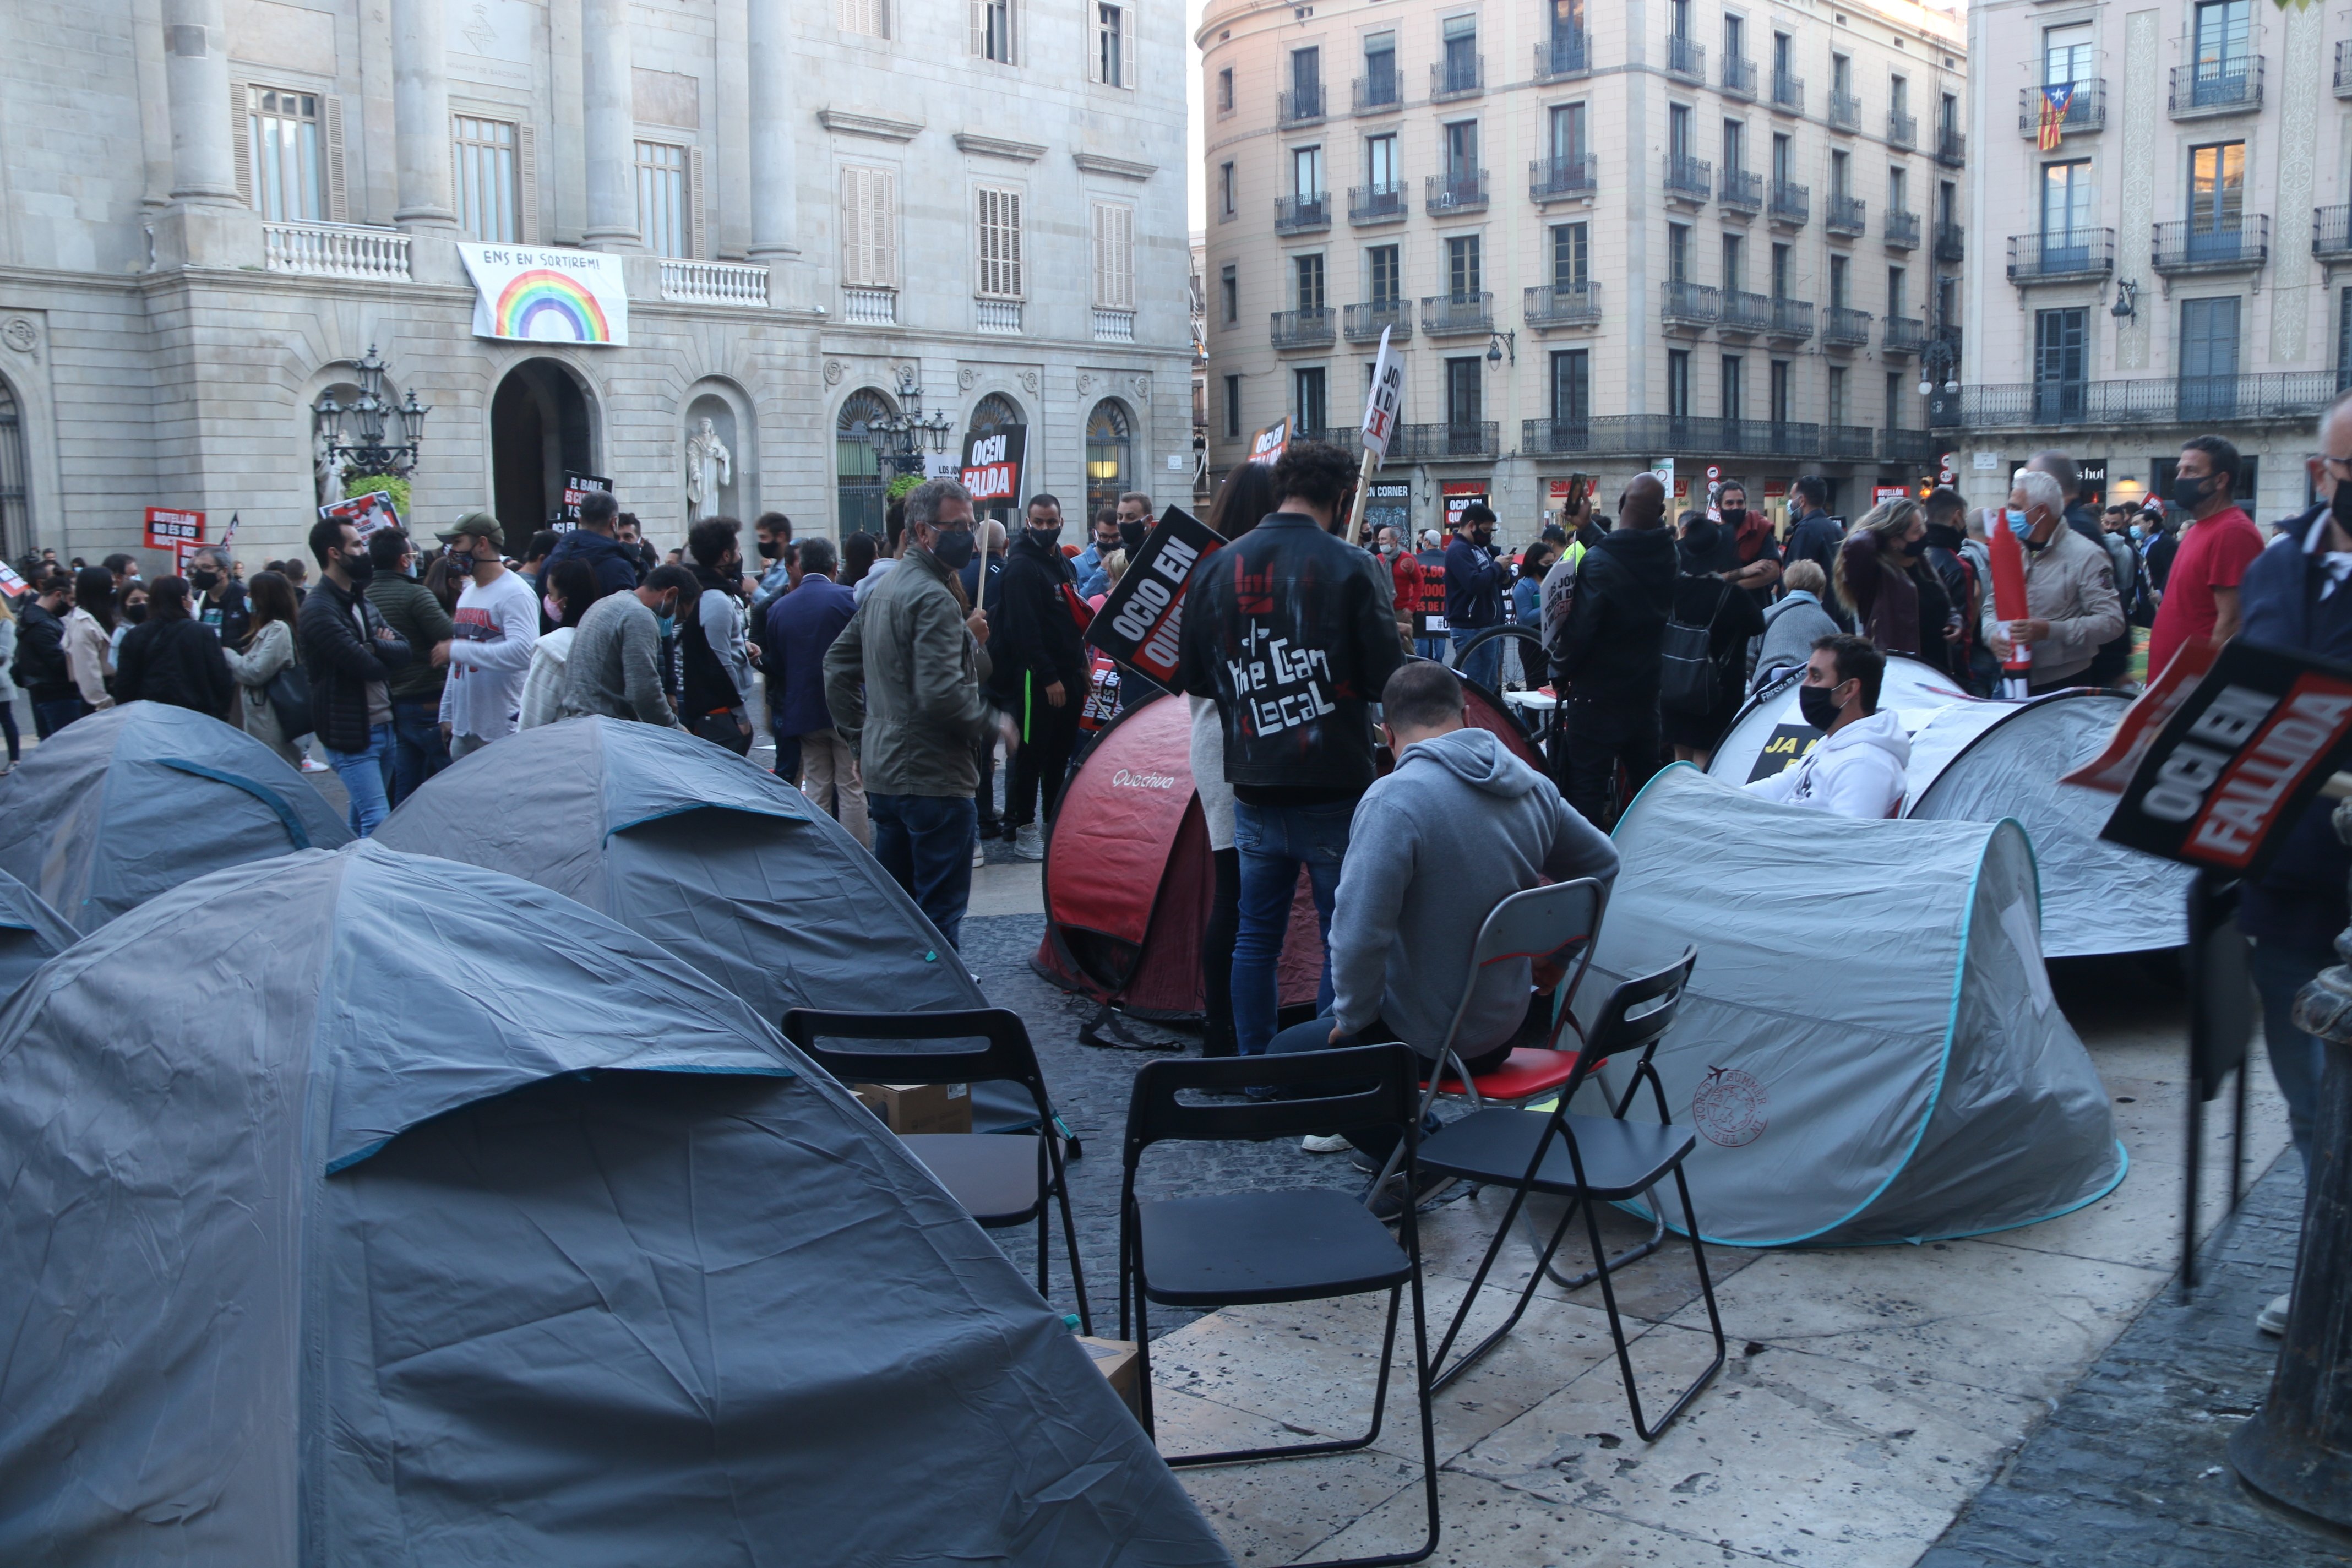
1404,579
2201,595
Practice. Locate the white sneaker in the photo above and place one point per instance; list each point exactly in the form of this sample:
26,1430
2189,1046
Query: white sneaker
2271,1320
1029,842
1326,1143
313,765
979,854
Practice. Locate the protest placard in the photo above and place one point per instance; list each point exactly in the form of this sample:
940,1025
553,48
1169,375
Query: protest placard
167,527
1141,622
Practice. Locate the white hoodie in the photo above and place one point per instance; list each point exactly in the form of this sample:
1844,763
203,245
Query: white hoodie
1856,772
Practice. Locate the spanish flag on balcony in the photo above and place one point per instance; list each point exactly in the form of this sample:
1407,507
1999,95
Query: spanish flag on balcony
2055,100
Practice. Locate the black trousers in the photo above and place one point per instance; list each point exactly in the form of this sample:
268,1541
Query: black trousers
984,798
1217,1038
1595,738
1042,759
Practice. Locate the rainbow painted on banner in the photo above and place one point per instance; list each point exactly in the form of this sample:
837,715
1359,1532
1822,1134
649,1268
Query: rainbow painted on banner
525,304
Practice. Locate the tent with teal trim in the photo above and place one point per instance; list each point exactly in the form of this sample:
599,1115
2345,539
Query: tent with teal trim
371,1209
31,933
121,805
1869,1050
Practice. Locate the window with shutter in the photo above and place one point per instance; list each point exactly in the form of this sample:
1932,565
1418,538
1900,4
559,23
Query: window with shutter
665,208
1114,229
870,17
283,164
527,182
992,30
869,227
488,204
1000,243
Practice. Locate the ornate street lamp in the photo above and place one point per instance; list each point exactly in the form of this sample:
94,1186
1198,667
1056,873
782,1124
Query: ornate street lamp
899,439
1939,365
367,451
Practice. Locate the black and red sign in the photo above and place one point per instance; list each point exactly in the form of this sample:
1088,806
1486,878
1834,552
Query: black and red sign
2239,760
1142,621
992,465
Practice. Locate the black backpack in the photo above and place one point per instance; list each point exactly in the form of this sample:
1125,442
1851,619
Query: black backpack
1690,681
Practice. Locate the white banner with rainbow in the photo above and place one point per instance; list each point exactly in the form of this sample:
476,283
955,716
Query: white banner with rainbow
547,295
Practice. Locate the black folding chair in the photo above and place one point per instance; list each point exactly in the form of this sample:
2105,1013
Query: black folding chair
1298,1245
1589,1160
1002,1179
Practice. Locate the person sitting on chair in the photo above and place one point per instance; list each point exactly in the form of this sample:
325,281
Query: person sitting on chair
1459,825
1858,767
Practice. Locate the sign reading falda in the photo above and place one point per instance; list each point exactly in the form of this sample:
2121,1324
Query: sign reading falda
2235,765
1142,622
992,465
547,295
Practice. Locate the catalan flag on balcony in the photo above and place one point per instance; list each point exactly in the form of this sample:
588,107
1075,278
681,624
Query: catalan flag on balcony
2056,98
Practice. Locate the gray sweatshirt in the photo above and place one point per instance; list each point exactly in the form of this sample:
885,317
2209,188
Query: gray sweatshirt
1459,826
614,666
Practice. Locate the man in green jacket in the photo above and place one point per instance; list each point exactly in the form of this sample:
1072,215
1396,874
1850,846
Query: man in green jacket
419,749
902,681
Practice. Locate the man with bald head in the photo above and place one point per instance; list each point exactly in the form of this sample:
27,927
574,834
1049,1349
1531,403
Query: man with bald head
1608,651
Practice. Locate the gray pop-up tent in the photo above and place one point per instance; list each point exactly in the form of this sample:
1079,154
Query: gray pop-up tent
367,1207
694,848
1869,1048
31,933
115,808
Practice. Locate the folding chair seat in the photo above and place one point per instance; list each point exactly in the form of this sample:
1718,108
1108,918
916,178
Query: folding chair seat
1002,1179
1589,1160
1292,1244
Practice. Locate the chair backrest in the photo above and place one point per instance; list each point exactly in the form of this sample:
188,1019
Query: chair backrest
1634,1019
1008,1057
1535,925
1340,1091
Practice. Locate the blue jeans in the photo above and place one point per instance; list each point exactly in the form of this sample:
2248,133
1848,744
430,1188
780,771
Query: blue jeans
2279,970
1429,647
925,842
1485,666
49,718
418,750
365,775
1275,841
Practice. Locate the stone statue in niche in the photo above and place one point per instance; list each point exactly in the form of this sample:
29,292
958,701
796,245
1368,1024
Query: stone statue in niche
710,466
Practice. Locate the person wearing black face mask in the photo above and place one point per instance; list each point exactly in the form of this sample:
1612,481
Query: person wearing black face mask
349,653
2220,543
1858,767
779,563
1040,670
219,603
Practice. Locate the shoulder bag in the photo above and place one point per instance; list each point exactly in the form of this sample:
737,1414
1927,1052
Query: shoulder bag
1690,681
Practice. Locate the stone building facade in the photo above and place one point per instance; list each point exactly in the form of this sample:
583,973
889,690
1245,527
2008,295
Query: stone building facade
210,210
1720,232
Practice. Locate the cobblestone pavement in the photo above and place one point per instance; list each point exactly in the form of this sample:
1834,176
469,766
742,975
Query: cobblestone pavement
2129,1471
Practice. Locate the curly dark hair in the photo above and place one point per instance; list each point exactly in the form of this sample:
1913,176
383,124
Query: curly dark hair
1316,472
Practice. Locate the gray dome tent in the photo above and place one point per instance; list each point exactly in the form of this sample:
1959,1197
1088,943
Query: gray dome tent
119,806
720,863
372,1208
31,933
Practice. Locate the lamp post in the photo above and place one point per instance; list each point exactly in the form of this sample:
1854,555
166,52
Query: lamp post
368,451
899,439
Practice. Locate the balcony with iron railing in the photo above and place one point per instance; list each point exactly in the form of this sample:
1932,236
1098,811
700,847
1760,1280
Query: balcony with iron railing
1567,53
336,250
1299,106
1378,94
1791,204
2344,68
1377,204
1743,192
1688,307
1436,442
1463,190
1951,147
1857,441
1570,177
1845,327
1951,242
1452,79
1788,93
1365,323
1900,337
1563,305
1457,315
2331,233
1742,314
2218,244
1921,447
2188,400
1689,180
1301,329
1902,130
2202,90
1303,214
1847,218
1792,320
1685,57
720,283
1738,76
2086,109
2066,256
1845,110
1902,231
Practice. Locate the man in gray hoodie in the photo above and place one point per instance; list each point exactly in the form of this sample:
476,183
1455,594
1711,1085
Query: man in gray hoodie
1458,826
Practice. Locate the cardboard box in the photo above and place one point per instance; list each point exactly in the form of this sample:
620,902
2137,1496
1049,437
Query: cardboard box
1118,1362
910,1108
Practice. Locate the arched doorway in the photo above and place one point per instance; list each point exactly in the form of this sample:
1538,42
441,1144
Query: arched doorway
856,467
993,413
16,510
1110,455
539,431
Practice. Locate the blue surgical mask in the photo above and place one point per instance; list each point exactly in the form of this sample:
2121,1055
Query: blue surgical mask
2137,533
668,626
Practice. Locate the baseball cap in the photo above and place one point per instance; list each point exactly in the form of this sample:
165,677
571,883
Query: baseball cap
480,524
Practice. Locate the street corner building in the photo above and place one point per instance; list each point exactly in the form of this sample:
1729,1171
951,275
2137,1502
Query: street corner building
1604,238
710,251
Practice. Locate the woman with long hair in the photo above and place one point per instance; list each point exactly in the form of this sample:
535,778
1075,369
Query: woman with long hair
89,636
570,589
269,650
1885,583
171,658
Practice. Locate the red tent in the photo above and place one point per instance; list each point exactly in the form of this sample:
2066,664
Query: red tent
1129,883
